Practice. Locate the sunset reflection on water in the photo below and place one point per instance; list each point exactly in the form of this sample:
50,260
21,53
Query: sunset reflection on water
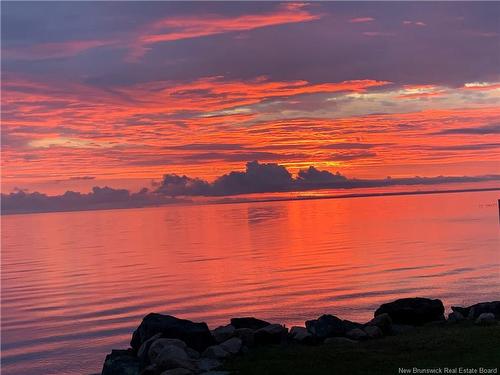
85,279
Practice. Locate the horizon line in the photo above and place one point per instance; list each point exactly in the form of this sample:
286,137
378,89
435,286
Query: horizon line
266,200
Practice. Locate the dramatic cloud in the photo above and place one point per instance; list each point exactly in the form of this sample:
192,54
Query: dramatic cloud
223,83
257,178
315,178
270,178
175,185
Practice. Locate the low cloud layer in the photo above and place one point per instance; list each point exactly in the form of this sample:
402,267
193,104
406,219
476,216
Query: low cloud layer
257,178
480,130
272,178
99,198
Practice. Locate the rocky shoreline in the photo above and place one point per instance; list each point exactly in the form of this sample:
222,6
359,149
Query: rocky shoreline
166,345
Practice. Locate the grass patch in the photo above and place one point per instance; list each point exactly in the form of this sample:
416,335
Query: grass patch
461,345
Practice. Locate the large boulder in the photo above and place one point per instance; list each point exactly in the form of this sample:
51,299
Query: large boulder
195,335
249,322
356,334
330,326
247,335
192,353
215,352
143,351
486,319
413,311
223,333
455,317
158,345
473,312
208,364
233,345
382,321
121,362
271,334
301,335
174,357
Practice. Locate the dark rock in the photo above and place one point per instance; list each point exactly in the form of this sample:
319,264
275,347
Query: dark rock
247,335
373,332
252,323
233,345
157,346
328,326
195,335
301,335
271,334
473,312
216,352
486,319
208,364
455,317
413,311
348,325
192,353
143,351
172,357
382,321
152,369
223,333
356,334
121,362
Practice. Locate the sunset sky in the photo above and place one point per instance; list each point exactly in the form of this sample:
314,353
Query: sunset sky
121,93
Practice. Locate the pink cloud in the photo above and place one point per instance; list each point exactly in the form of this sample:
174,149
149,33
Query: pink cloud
179,28
361,19
414,23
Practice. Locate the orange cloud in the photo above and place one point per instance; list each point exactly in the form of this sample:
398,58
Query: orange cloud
142,131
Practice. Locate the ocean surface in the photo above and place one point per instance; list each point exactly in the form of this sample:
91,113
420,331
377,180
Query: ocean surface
75,285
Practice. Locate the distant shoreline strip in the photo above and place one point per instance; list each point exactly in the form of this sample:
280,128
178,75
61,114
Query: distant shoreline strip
263,200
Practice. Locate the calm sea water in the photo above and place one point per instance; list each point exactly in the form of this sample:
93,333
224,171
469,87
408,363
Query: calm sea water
74,285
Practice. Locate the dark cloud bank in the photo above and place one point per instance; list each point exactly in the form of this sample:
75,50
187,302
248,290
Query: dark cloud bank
257,178
99,198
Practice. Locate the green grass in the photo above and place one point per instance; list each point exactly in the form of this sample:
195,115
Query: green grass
427,347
